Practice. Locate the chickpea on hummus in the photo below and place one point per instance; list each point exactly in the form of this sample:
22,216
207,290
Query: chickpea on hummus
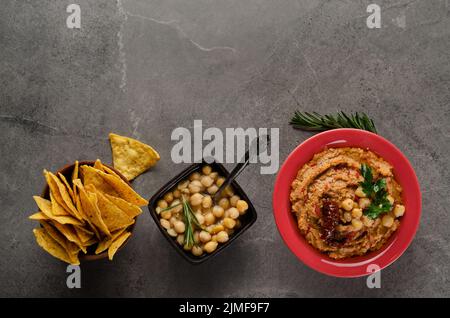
347,202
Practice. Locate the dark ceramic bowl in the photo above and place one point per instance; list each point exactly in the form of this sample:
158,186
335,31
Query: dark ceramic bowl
246,220
67,172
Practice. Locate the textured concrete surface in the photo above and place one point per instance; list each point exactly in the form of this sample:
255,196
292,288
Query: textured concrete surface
143,68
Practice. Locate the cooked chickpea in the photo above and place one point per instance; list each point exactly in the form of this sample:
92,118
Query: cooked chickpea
207,181
214,238
195,176
185,191
173,220
165,224
229,223
360,192
233,200
233,213
179,227
347,217
162,204
168,197
391,199
210,218
210,247
197,250
206,170
180,239
364,203
356,213
213,189
207,202
357,224
158,210
213,175
224,203
204,237
195,187
347,204
229,191
399,210
217,228
196,199
387,220
177,207
367,221
242,206
172,232
183,185
222,237
220,181
196,237
200,218
166,214
217,211
177,194
187,247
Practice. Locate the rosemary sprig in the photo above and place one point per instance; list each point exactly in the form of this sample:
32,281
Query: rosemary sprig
317,122
190,220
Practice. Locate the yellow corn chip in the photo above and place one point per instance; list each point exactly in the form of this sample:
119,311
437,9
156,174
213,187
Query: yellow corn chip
115,245
123,189
129,208
66,183
46,207
106,243
92,176
57,209
90,208
70,234
74,176
51,246
98,165
132,157
77,183
38,216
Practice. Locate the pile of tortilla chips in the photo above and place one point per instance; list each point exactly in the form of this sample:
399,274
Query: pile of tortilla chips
93,208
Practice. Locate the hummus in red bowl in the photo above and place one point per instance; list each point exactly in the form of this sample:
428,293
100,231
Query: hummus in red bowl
347,202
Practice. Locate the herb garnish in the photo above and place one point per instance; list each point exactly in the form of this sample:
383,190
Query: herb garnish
376,191
317,122
190,220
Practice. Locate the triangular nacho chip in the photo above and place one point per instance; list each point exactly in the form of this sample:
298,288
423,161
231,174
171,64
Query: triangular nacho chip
71,248
51,246
66,183
123,189
106,243
131,209
132,157
39,216
58,209
70,234
113,217
46,207
92,176
115,245
78,184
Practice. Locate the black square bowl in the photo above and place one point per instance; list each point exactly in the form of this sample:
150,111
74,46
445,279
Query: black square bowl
247,219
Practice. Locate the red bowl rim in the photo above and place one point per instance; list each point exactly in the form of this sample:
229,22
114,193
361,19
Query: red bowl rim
356,266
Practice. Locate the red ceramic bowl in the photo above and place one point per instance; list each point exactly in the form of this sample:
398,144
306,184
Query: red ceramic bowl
287,223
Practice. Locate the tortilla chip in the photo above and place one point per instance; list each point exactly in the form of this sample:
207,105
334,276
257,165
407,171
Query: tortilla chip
77,183
75,176
83,234
39,216
98,165
132,157
123,189
130,209
66,183
113,217
57,209
90,208
92,176
71,248
46,207
106,243
70,234
63,194
51,246
115,245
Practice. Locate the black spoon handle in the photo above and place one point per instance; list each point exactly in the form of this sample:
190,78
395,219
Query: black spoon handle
243,163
